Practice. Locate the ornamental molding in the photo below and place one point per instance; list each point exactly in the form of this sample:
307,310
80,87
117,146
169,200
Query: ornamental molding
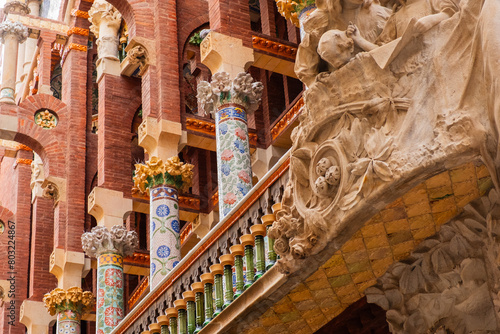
77,31
73,299
242,90
287,119
264,44
13,28
101,240
173,172
16,7
79,13
139,55
449,284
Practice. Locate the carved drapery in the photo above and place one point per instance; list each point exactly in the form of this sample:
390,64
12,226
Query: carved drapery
450,281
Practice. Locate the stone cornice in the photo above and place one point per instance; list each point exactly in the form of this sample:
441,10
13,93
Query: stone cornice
288,118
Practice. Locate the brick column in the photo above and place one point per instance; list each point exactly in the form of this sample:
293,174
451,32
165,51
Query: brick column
69,306
230,101
163,180
109,247
45,65
11,35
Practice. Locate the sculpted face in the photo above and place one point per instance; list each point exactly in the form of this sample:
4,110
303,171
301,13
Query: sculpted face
336,48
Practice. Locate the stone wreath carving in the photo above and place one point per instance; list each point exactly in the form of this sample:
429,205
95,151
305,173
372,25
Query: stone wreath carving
13,28
449,284
241,90
101,240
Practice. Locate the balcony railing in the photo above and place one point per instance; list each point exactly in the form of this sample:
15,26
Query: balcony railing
244,219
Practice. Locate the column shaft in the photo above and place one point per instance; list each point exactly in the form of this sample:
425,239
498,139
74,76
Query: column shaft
68,322
165,247
110,310
9,67
233,156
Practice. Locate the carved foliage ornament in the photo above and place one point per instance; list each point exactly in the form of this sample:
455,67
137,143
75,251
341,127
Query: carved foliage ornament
242,90
16,7
172,172
13,28
102,11
73,299
101,240
291,9
450,282
46,119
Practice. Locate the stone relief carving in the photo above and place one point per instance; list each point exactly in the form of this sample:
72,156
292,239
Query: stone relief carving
16,7
450,282
51,191
13,28
139,55
374,122
106,21
101,240
241,90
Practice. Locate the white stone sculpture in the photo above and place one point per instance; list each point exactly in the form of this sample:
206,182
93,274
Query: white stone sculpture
435,104
106,21
13,28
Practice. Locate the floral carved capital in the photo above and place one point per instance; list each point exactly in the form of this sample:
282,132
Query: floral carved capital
16,7
101,240
73,299
242,90
172,172
13,28
103,12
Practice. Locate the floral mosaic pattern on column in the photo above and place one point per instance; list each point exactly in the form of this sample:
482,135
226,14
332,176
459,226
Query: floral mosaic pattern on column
164,232
70,305
109,247
233,156
164,180
231,101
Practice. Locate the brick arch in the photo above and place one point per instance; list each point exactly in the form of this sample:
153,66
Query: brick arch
138,14
48,144
193,25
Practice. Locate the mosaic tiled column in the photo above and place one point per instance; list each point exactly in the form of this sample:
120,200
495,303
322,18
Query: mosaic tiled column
231,102
69,305
109,247
163,181
11,35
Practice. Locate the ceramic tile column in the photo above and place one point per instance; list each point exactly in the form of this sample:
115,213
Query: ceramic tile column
231,101
164,180
109,247
11,35
69,305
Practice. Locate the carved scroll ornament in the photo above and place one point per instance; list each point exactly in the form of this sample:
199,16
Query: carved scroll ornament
101,240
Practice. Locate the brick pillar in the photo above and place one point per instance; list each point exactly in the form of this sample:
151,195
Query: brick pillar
42,232
70,212
267,17
231,18
45,65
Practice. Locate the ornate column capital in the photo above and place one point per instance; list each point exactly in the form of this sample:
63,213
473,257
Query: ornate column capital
222,90
103,12
100,240
73,299
154,172
16,7
14,28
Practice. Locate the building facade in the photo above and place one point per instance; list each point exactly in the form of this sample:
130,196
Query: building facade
249,166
